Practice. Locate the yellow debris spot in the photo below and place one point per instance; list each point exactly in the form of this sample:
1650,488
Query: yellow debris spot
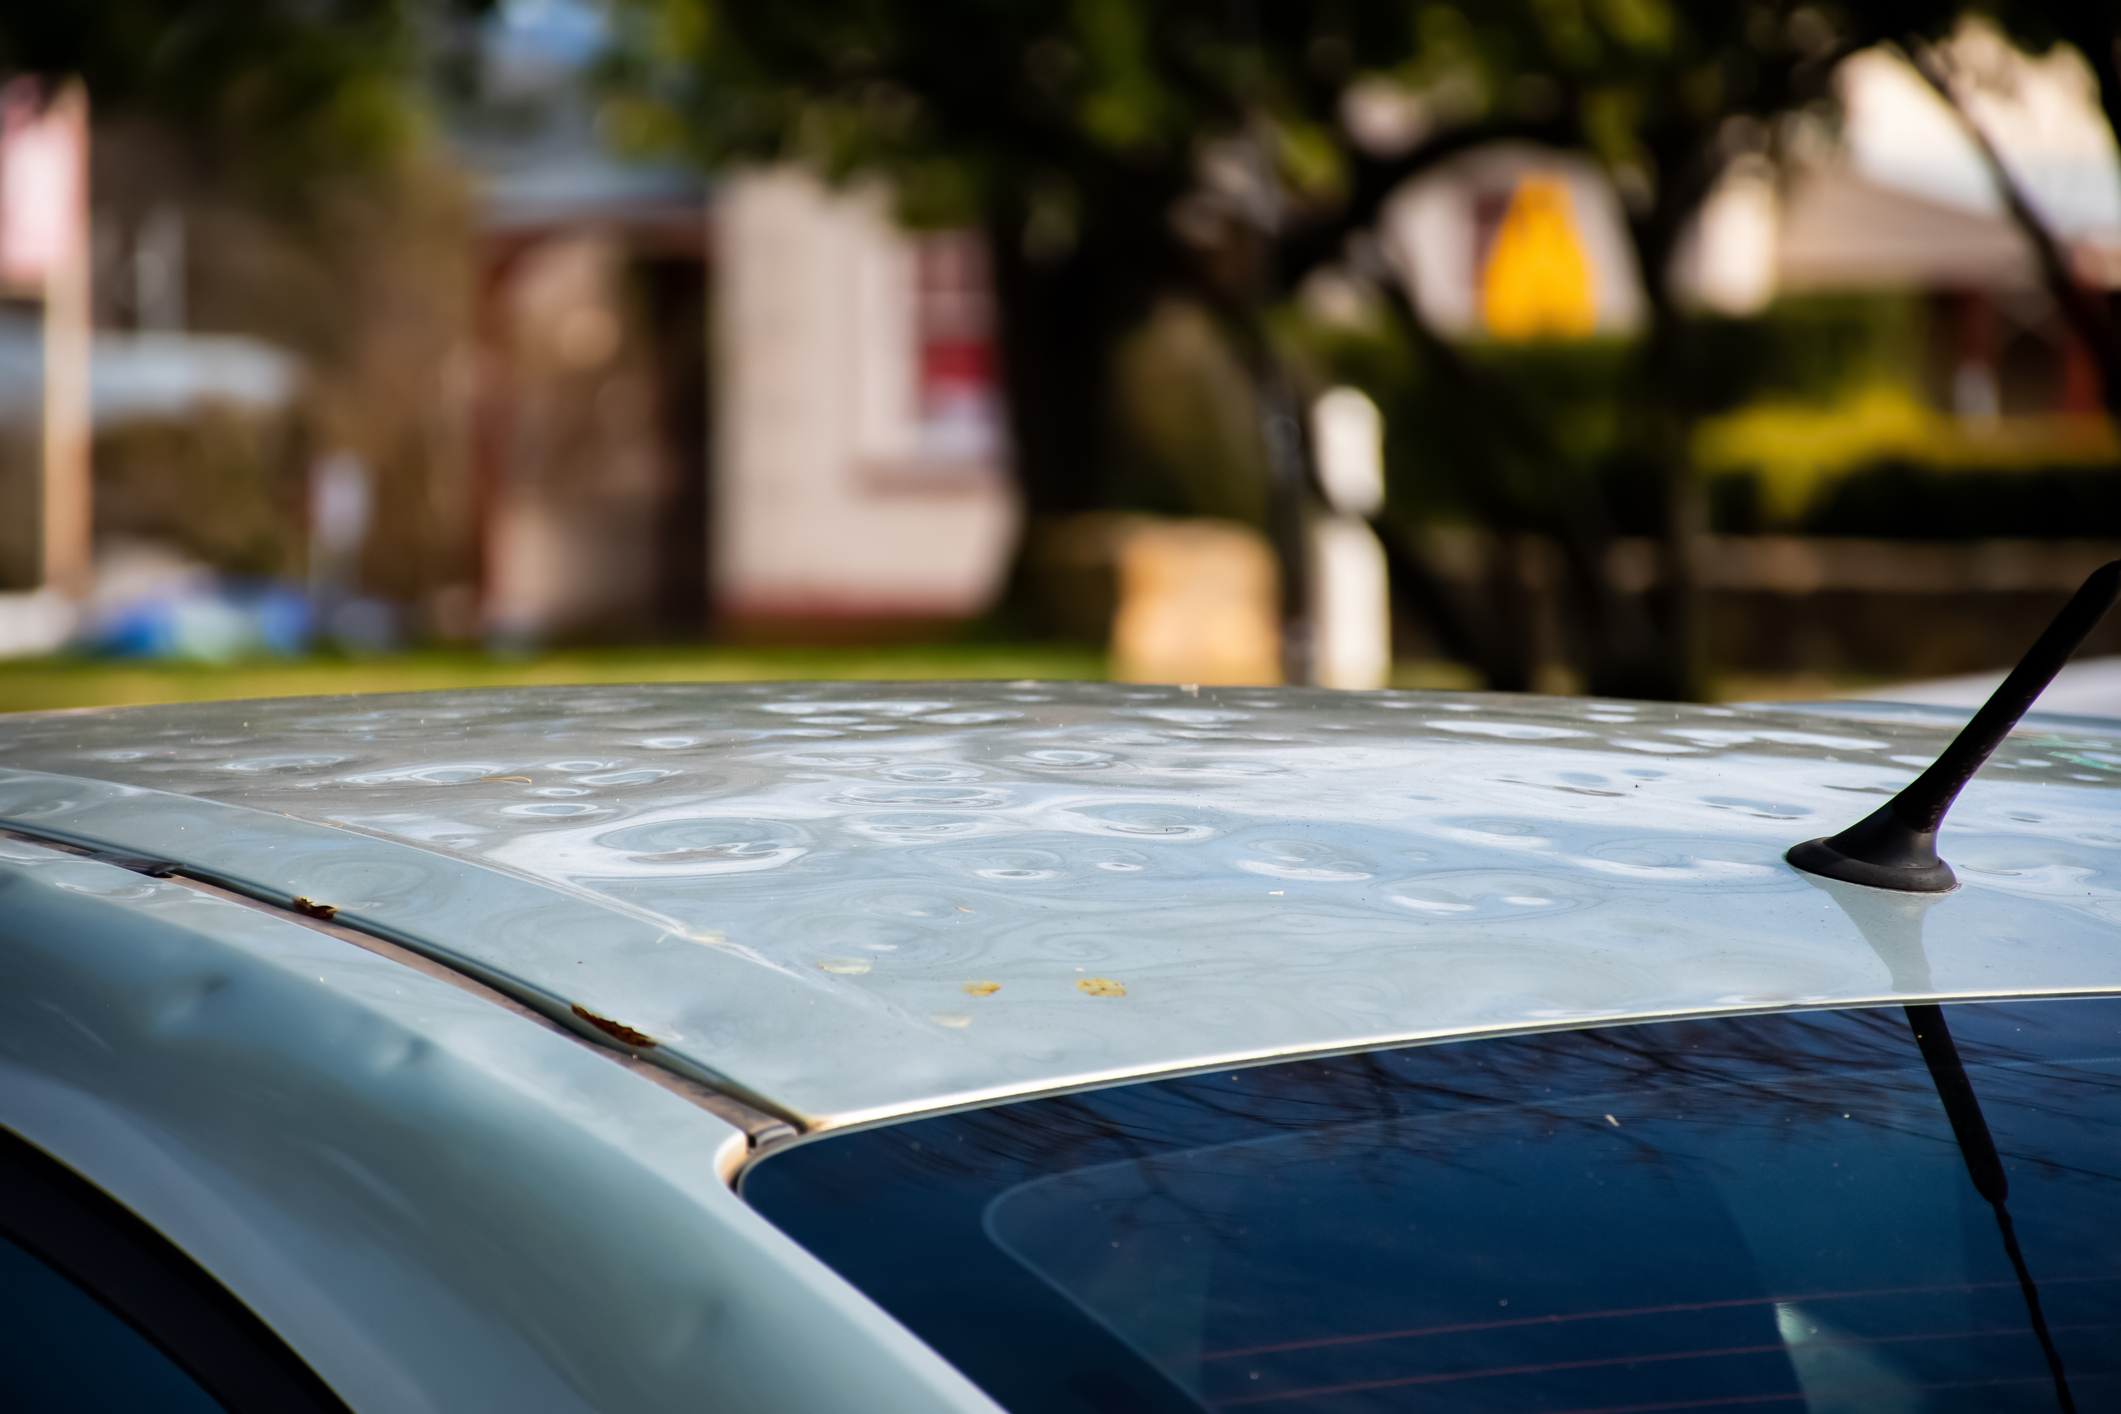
980,989
961,908
949,1018
1100,987
846,966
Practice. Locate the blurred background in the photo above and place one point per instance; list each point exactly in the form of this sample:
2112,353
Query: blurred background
1686,352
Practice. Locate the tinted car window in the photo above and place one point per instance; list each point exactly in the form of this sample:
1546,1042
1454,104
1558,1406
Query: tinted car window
62,1353
100,1313
1820,1211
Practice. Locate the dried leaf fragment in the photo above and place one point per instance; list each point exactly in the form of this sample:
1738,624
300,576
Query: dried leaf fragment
524,779
980,989
616,1030
310,908
845,966
1100,987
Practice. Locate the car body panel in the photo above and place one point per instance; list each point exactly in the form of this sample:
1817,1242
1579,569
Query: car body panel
854,902
439,1203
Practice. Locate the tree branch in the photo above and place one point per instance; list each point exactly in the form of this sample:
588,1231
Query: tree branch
1314,243
2086,316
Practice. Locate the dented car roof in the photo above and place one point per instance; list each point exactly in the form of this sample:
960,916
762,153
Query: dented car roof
847,902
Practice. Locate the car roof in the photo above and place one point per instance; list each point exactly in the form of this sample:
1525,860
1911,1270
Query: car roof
851,902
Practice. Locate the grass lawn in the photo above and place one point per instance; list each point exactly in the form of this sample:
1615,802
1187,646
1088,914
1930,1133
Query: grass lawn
41,684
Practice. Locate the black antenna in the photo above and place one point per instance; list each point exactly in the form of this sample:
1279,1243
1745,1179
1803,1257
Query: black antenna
1896,846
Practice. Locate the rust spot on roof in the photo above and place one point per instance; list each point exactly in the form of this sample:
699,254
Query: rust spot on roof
616,1030
312,909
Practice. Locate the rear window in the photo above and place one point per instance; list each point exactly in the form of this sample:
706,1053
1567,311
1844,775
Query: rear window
1885,1210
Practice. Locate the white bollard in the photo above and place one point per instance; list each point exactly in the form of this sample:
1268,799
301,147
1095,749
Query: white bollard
1351,595
1351,637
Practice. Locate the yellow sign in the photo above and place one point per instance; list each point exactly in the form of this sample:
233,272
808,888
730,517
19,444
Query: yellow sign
1537,283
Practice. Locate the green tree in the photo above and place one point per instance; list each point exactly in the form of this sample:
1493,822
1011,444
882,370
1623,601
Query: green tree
277,92
1921,30
293,137
1118,149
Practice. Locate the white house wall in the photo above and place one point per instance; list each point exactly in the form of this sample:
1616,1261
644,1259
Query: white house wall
820,510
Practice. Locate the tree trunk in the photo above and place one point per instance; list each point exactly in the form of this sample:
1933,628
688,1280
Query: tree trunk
1055,340
1059,322
1665,402
2090,314
1665,409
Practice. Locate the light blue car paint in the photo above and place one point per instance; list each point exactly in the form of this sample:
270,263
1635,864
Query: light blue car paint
791,888
440,1205
844,904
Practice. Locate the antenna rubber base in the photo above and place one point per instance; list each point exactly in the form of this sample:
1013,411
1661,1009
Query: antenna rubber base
1880,850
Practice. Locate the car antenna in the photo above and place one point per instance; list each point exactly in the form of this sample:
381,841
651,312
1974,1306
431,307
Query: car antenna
1895,847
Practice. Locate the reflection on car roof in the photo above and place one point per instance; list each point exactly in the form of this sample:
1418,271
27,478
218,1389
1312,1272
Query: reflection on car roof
860,900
